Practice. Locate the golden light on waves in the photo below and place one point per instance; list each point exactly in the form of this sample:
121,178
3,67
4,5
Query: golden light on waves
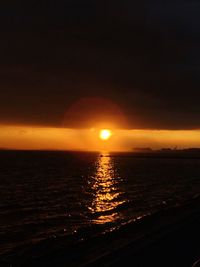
106,187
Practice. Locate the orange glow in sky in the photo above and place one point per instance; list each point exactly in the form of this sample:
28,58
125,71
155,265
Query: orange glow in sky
48,138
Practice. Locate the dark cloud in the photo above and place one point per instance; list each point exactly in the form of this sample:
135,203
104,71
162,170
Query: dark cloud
144,57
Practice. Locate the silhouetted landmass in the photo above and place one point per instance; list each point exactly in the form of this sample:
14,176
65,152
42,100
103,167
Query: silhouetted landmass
142,149
164,153
166,149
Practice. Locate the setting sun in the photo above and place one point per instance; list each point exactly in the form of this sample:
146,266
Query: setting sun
105,134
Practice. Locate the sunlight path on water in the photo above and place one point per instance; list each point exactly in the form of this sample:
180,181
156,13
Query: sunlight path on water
107,190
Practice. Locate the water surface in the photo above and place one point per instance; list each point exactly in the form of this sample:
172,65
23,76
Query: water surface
51,194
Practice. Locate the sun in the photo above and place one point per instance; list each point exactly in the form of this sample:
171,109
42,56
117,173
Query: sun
105,134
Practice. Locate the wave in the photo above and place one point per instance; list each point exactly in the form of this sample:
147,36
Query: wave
141,229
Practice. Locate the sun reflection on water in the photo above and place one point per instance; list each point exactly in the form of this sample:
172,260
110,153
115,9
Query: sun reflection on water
106,190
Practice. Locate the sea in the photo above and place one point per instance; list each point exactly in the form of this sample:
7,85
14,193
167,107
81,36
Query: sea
52,194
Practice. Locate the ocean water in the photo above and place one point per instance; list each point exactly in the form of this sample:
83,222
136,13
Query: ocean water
53,194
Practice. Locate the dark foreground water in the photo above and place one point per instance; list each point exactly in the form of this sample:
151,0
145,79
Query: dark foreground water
50,194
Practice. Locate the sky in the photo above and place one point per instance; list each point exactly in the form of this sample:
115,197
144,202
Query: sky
49,138
129,65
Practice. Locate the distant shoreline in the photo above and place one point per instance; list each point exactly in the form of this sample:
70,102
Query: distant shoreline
191,153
